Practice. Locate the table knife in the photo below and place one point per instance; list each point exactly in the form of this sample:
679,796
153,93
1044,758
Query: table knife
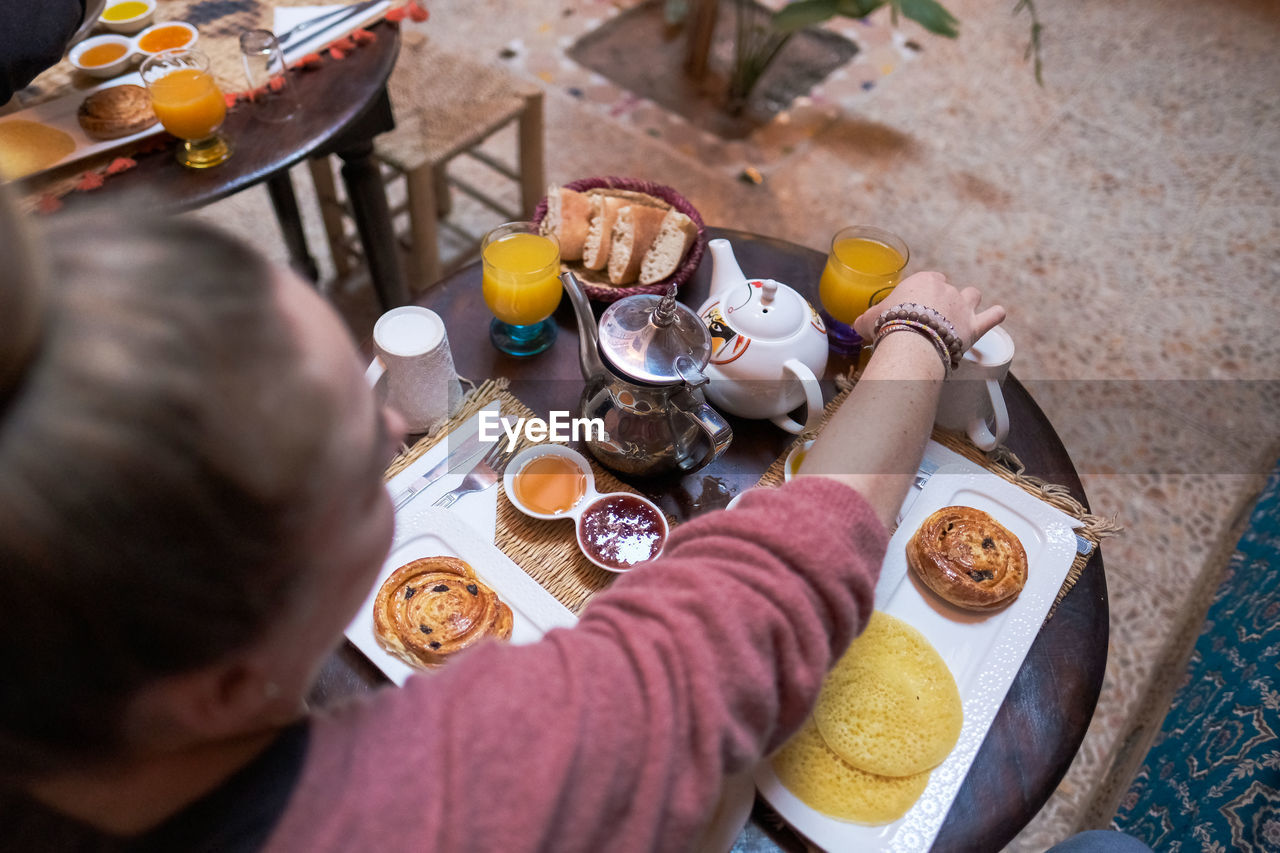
328,19
456,456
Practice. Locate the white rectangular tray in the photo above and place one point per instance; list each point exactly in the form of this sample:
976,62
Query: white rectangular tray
441,532
60,114
983,650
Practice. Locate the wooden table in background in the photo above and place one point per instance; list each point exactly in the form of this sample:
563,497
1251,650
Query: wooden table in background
344,106
1037,730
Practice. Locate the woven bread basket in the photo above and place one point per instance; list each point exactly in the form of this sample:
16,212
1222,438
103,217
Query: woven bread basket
594,282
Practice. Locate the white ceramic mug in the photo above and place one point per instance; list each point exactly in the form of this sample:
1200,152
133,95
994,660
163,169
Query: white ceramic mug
972,401
412,350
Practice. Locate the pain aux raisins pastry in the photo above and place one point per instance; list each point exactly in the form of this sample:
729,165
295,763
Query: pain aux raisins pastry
433,608
968,558
115,112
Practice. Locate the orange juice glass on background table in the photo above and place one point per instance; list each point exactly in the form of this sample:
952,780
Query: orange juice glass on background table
521,287
189,104
863,266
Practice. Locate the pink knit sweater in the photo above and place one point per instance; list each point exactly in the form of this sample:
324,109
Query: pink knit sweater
614,735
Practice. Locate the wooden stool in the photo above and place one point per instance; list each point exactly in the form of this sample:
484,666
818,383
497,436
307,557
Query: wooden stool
446,105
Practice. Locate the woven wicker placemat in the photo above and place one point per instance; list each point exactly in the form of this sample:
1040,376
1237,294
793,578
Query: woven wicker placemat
1003,463
545,550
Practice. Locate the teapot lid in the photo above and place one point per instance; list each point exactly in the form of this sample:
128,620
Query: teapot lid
773,311
655,339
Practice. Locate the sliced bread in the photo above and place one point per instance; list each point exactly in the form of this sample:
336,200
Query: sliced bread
634,231
568,218
675,236
604,212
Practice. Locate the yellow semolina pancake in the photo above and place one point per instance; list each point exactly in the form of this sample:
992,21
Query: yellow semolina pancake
825,782
890,706
26,147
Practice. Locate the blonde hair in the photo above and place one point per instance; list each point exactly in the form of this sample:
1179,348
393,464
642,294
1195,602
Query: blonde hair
158,447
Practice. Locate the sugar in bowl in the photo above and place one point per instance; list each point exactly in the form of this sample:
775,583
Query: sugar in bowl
615,530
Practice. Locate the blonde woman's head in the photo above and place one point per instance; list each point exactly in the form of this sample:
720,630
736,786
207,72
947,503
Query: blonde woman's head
185,443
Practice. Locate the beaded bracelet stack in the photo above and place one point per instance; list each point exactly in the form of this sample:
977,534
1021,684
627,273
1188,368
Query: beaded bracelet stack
910,316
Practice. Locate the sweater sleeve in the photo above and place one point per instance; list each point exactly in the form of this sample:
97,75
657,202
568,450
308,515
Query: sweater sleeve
615,734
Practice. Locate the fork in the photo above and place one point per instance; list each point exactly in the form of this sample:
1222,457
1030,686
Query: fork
483,475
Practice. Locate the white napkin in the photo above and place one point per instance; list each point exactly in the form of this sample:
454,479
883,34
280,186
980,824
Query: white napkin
479,510
288,17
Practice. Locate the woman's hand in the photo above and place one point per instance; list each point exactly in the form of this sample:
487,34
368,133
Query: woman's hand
932,289
875,441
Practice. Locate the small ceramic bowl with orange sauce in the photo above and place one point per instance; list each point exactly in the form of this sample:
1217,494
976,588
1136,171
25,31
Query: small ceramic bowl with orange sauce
614,530
794,460
169,35
103,56
127,16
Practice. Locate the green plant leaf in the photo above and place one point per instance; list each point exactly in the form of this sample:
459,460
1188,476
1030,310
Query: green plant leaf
858,8
929,14
803,13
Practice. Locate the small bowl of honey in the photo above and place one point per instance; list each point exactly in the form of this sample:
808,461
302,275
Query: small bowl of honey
102,56
127,16
548,481
795,459
169,35
614,530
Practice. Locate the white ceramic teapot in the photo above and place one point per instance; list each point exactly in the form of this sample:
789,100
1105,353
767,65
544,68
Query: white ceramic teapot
768,346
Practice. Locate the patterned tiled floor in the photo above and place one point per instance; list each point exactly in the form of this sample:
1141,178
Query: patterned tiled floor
1126,213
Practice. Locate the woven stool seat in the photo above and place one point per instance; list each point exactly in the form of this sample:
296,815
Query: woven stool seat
446,105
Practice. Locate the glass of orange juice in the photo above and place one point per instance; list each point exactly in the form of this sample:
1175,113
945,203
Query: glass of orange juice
521,286
189,104
863,266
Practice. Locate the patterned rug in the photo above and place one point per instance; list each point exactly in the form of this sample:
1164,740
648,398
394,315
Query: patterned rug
1211,780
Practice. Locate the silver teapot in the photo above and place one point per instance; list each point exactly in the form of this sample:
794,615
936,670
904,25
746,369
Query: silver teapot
643,368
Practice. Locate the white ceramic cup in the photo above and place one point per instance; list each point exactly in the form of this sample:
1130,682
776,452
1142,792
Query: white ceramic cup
412,351
972,401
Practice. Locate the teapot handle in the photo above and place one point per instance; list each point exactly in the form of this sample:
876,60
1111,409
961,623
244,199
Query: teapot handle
812,398
717,429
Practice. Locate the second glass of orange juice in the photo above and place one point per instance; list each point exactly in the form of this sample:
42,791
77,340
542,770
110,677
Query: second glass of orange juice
189,104
521,287
863,266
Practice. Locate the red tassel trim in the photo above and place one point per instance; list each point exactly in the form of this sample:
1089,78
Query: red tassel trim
121,164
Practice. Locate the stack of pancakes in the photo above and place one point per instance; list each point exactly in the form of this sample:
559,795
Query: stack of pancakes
27,147
889,712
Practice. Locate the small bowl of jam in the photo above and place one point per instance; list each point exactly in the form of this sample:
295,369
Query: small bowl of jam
169,35
615,530
619,530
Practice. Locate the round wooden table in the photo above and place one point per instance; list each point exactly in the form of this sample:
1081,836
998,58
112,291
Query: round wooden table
1037,730
344,106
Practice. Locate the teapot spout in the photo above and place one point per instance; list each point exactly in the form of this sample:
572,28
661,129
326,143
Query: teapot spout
725,272
588,334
